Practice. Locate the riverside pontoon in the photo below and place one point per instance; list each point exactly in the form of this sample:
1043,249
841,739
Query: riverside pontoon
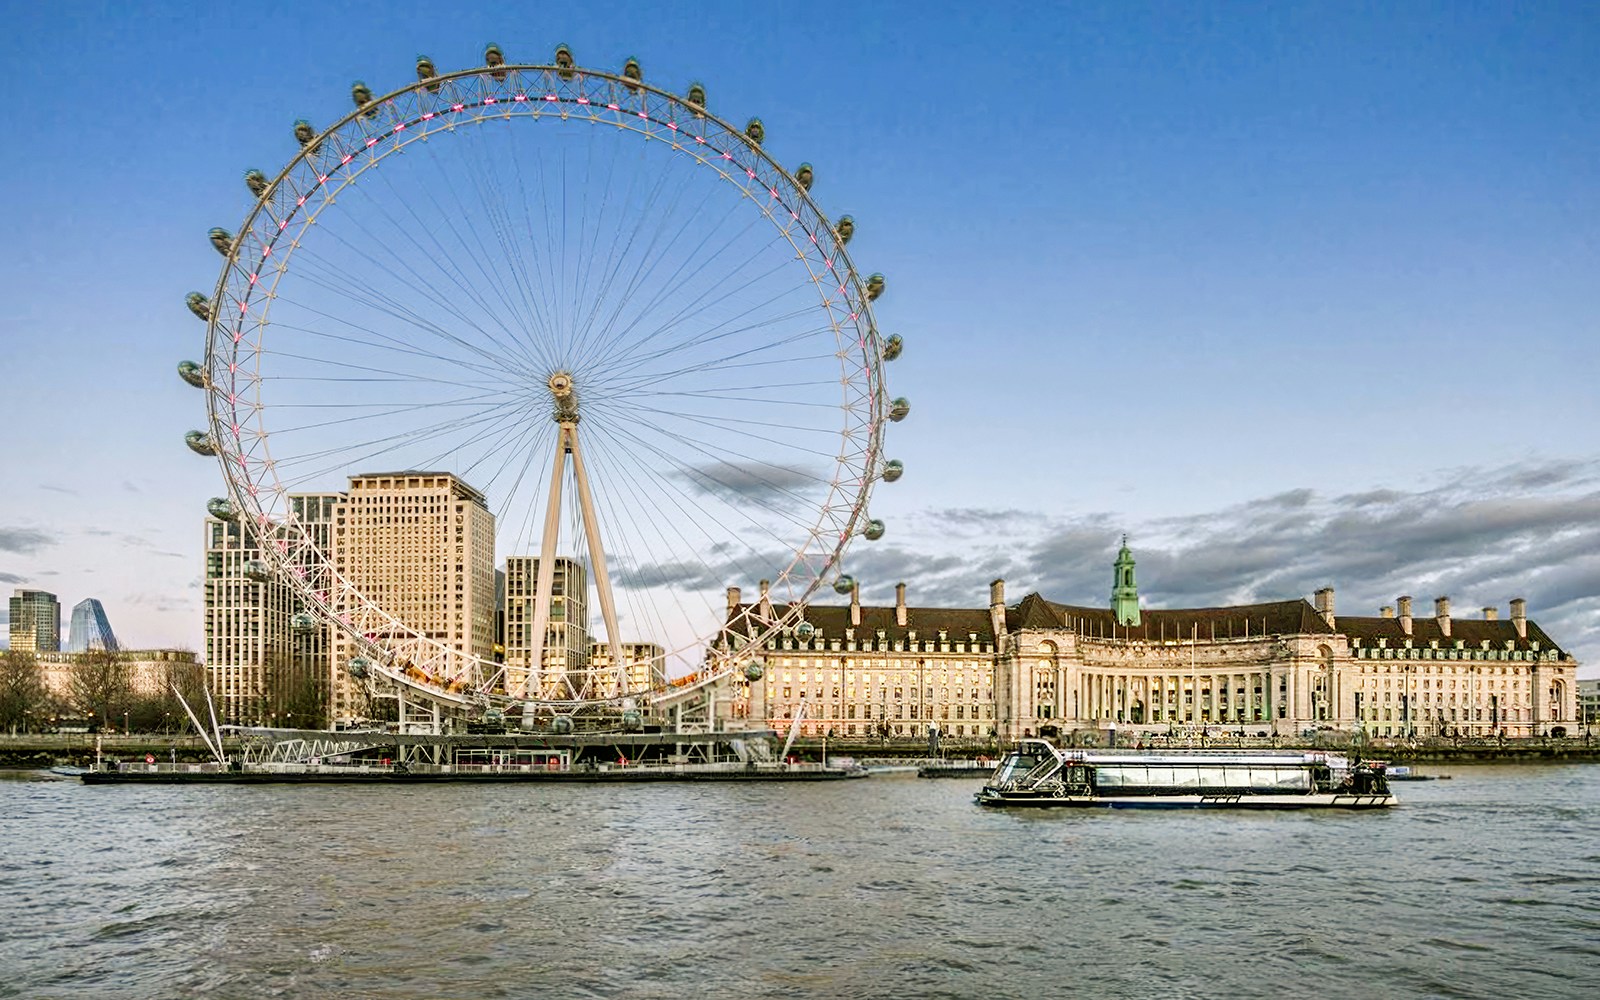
1039,774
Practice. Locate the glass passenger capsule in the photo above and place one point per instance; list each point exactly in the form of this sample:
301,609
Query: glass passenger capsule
303,132
805,631
874,530
493,57
753,671
893,469
845,228
755,131
361,96
632,72
844,584
898,408
303,621
200,443
874,287
425,71
256,181
221,508
257,570
804,175
561,725
564,62
192,373
632,720
221,240
697,94
360,667
892,347
199,305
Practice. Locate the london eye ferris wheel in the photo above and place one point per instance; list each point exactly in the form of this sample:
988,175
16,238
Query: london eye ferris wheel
614,314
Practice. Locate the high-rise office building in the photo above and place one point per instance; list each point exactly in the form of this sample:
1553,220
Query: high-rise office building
90,629
420,545
35,621
566,645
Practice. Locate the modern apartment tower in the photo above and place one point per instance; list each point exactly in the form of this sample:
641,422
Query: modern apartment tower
421,546
90,628
566,645
645,663
35,621
248,634
266,660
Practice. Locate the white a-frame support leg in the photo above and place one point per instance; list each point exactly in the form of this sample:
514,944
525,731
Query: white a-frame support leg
545,583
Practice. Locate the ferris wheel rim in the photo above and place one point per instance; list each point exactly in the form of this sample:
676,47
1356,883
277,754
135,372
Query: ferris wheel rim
243,491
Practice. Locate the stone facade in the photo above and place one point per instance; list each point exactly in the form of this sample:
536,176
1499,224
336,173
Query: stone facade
876,672
1281,668
150,671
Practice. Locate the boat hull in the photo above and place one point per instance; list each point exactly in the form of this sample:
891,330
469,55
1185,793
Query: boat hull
988,797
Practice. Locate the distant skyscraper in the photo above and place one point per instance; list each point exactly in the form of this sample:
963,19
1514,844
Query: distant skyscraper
90,629
35,622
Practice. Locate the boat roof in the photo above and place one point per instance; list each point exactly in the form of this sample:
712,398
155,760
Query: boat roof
1193,758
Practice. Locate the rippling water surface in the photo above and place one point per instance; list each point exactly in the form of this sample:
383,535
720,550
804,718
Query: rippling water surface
1484,886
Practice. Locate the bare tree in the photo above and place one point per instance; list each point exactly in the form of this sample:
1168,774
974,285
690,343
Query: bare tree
22,690
161,710
296,692
101,684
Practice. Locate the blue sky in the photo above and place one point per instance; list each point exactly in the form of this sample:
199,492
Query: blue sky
1265,285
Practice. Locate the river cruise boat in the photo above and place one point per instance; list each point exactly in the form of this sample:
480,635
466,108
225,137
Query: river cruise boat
1037,773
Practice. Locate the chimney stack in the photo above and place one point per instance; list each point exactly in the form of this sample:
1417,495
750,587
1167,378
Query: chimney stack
733,600
766,599
1323,601
855,602
1491,614
1441,614
900,604
997,611
1387,611
1404,606
1519,616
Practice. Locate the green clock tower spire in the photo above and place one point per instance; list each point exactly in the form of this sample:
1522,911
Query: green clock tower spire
1124,592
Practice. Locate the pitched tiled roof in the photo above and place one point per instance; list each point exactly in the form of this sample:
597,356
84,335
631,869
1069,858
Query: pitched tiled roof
831,621
1296,617
1425,631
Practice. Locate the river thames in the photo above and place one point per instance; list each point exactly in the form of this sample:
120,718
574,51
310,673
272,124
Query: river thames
1487,885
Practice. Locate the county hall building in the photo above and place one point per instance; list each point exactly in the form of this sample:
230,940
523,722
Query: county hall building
1280,668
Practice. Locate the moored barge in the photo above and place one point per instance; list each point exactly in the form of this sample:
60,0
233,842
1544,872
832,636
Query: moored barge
1038,774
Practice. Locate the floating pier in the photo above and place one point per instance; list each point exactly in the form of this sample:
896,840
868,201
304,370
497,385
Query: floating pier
286,756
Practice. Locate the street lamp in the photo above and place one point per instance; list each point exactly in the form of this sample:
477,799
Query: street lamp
124,723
